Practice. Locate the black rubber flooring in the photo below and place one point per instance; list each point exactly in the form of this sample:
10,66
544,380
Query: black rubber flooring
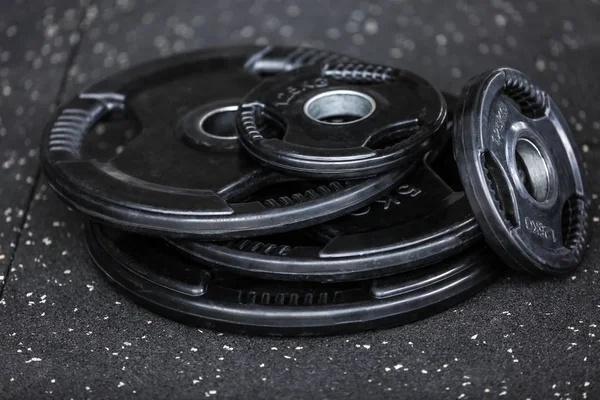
66,333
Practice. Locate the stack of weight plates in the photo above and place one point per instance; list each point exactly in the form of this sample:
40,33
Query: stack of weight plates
296,191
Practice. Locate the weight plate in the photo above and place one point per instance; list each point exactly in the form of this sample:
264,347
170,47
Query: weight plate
426,219
146,269
343,119
522,173
184,173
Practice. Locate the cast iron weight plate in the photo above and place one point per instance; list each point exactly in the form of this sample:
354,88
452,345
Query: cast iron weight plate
155,277
426,219
185,173
340,120
522,173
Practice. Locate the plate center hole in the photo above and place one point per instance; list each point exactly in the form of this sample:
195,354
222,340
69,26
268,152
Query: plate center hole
532,168
220,123
339,107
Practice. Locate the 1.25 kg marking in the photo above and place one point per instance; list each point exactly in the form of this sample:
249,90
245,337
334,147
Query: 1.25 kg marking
499,120
539,229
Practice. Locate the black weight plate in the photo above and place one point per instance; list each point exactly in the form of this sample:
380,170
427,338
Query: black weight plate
426,219
183,172
522,173
181,290
340,120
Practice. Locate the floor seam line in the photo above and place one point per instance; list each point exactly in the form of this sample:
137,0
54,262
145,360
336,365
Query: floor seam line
38,173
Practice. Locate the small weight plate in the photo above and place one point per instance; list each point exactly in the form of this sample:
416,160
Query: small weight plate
182,171
154,276
522,173
340,120
426,219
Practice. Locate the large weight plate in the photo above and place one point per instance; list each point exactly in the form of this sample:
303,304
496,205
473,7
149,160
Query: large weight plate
427,218
153,275
522,173
340,120
183,173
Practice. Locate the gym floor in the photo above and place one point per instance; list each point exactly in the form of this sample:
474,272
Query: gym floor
66,333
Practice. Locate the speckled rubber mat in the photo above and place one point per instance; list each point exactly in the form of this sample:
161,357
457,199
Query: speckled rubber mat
66,333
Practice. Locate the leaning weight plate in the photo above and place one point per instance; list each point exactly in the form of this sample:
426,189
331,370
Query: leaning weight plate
340,120
522,173
184,173
424,220
155,277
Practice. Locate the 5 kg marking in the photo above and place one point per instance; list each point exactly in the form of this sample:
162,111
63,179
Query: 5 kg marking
392,198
